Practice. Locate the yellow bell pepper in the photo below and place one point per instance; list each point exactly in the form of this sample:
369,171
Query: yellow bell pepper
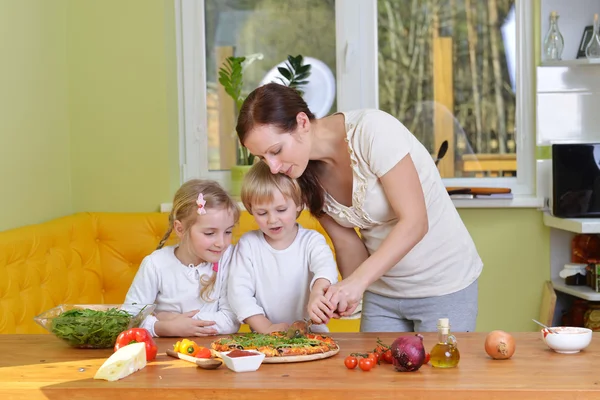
187,347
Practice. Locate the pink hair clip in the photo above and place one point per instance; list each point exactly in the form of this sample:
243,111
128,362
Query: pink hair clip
201,203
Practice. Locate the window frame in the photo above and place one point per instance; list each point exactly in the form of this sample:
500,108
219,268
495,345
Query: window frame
356,86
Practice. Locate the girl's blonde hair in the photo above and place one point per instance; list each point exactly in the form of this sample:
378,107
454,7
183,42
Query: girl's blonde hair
185,210
260,184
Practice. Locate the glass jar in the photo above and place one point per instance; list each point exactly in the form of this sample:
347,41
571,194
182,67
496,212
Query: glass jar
576,314
591,319
574,274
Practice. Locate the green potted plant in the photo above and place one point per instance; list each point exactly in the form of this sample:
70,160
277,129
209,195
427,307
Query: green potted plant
231,75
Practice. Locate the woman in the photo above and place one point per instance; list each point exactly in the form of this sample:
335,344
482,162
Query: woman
416,261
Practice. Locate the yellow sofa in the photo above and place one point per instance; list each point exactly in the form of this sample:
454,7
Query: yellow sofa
87,258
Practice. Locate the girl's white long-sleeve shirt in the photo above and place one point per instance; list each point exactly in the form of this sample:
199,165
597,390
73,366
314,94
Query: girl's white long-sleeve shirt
174,287
277,283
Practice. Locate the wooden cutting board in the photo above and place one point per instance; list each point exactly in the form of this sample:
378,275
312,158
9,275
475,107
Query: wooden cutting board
295,359
477,190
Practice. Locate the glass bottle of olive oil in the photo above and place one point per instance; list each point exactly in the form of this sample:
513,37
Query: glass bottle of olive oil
445,353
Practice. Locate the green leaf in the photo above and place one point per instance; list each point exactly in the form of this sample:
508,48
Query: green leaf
285,72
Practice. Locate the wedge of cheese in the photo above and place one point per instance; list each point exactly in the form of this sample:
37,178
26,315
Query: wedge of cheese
123,362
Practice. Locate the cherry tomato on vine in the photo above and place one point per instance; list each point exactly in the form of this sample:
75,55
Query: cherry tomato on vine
351,362
387,357
365,364
373,357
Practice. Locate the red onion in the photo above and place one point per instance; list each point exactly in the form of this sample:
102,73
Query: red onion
408,353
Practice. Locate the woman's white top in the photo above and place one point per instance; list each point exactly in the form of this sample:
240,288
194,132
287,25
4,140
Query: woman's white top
445,260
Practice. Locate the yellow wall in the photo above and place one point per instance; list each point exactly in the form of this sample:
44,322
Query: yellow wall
123,101
514,245
92,85
35,173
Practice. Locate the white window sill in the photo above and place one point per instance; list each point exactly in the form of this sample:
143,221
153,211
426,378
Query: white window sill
518,201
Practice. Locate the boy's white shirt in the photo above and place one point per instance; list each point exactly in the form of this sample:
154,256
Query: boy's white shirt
277,283
175,287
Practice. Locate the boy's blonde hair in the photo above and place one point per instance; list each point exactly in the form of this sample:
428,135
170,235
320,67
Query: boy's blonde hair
260,184
185,210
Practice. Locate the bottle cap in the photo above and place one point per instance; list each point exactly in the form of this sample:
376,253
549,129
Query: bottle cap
444,325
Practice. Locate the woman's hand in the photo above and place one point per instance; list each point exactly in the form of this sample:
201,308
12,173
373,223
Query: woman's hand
345,296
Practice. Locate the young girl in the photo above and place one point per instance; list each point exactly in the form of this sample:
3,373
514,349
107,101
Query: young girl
279,273
188,281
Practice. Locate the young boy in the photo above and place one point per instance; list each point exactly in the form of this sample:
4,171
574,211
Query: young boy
280,272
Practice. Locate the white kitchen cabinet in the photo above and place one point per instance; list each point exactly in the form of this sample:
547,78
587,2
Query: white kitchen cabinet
562,231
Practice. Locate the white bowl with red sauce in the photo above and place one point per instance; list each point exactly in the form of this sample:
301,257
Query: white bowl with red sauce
567,339
243,360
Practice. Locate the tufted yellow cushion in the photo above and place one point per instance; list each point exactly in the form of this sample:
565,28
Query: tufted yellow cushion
86,258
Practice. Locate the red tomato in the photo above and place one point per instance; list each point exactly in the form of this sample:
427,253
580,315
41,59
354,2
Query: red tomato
365,364
203,353
351,362
427,358
387,357
380,349
374,357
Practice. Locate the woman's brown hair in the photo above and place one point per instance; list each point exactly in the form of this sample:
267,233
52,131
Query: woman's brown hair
185,210
277,105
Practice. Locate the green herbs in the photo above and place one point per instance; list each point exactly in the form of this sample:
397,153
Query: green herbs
91,328
260,340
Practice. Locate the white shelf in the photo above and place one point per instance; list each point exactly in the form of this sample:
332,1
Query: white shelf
583,292
571,63
576,225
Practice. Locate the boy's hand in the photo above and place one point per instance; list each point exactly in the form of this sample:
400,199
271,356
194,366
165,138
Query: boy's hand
320,310
282,327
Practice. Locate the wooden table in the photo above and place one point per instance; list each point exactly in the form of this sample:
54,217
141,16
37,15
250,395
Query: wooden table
41,366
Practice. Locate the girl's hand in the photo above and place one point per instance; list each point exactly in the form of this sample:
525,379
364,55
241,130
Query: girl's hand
184,325
193,327
345,296
169,315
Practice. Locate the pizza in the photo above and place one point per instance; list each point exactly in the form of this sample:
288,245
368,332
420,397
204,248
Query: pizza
276,344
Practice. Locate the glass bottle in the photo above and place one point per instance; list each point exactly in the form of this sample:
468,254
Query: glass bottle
592,50
445,353
554,42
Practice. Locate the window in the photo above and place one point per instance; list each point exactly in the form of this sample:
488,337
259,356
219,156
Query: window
448,69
